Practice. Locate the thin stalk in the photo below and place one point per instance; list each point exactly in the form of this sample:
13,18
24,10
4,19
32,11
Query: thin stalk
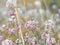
20,30
18,20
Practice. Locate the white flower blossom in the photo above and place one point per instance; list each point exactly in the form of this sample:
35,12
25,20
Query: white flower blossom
11,3
49,25
7,42
37,4
53,40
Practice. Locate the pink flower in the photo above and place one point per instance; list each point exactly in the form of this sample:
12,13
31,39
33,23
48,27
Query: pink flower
43,36
30,40
31,25
1,39
12,31
11,12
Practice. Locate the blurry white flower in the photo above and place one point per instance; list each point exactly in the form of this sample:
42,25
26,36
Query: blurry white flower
33,40
19,41
37,4
14,20
10,19
49,25
14,2
7,42
54,7
53,40
2,28
3,25
10,3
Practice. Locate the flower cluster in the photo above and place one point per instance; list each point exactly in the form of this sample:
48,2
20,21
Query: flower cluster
31,25
7,42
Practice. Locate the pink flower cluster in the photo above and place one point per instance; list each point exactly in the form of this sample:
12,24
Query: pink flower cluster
32,40
31,25
43,36
12,31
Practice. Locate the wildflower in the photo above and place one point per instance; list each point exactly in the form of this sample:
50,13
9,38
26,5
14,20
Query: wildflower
2,28
11,3
10,19
19,41
1,38
54,8
7,42
37,4
53,40
12,31
31,25
49,25
43,36
11,13
27,37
